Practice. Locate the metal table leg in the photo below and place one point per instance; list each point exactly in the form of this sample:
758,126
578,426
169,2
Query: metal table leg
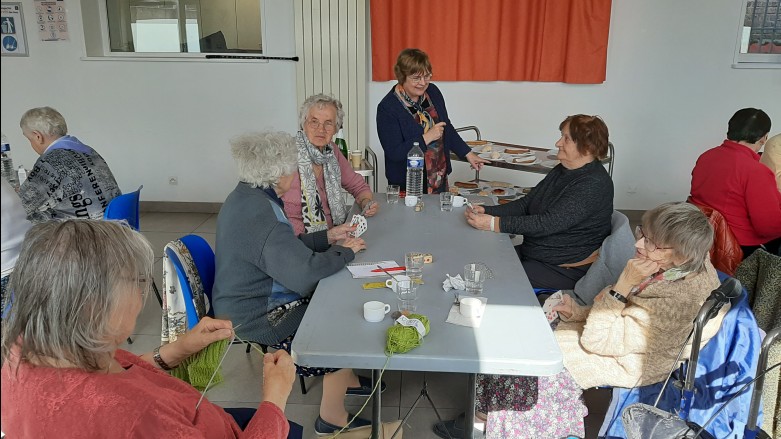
376,407
469,419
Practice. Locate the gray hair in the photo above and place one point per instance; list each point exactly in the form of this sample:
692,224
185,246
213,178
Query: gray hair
684,228
320,101
68,283
264,157
45,120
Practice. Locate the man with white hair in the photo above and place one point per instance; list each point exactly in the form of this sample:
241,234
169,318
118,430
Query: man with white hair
69,179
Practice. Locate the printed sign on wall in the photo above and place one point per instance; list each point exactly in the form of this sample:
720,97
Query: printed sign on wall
52,20
13,37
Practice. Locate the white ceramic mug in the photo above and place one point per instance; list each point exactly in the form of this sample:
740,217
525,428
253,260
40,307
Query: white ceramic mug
375,311
470,307
392,283
459,201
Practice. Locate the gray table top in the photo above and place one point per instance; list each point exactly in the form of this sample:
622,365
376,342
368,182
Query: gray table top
513,339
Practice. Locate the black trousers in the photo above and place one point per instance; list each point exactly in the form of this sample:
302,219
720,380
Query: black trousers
549,276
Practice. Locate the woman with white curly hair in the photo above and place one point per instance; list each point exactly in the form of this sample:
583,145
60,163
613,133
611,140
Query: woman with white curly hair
266,275
314,201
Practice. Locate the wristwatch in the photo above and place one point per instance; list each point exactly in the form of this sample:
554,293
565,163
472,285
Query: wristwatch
618,296
159,360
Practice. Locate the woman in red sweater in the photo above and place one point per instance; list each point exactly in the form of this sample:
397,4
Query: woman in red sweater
78,288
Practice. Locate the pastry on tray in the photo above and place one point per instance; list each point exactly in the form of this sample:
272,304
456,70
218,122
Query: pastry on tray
524,160
505,200
465,185
516,150
499,184
499,191
476,142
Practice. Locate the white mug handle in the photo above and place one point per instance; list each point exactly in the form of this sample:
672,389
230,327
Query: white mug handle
387,308
389,283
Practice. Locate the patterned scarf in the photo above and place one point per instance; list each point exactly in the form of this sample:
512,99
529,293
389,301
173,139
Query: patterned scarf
435,157
312,209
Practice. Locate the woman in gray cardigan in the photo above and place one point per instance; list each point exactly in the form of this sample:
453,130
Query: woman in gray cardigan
265,274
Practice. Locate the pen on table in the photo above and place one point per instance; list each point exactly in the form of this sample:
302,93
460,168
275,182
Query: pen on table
378,270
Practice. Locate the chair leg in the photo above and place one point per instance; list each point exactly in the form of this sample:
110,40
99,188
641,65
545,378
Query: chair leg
248,347
129,340
303,385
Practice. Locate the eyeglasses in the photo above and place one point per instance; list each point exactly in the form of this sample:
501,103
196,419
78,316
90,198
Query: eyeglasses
316,125
649,245
417,79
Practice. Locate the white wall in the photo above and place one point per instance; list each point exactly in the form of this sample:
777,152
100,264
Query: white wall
152,119
669,92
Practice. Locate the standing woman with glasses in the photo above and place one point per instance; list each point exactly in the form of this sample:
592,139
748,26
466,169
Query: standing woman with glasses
314,201
414,111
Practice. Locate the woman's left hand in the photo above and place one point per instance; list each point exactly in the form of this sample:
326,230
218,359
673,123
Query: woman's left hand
636,271
476,161
479,221
206,332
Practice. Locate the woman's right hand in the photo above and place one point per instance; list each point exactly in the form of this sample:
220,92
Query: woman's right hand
279,374
435,133
636,271
476,208
565,307
354,244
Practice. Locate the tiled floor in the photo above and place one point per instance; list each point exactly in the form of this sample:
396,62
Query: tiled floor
242,371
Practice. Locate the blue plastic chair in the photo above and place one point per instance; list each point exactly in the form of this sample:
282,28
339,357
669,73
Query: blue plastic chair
125,207
203,257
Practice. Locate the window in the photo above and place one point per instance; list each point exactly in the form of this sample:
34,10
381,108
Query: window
759,38
184,26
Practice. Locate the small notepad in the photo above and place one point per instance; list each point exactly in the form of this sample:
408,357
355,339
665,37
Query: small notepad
361,270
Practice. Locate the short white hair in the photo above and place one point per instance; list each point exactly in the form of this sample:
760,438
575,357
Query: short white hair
45,120
264,157
320,100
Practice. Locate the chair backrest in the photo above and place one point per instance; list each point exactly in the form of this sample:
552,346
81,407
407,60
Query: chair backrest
124,207
616,249
203,258
726,253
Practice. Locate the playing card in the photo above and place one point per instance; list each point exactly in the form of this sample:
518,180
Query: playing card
360,222
550,302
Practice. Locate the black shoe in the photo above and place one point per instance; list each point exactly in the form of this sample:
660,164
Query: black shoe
453,429
323,428
365,389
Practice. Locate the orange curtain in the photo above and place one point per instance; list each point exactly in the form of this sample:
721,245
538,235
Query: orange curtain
495,40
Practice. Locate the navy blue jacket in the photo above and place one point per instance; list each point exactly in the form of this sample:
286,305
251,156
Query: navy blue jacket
397,130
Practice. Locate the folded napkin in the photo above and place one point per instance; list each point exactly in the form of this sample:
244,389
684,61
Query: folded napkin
455,317
453,283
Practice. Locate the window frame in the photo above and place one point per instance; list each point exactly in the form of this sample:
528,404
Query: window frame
753,60
98,46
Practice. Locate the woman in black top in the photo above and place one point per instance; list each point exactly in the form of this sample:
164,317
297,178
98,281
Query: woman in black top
565,218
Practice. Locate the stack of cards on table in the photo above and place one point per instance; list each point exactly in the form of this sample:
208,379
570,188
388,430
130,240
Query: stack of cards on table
360,222
550,302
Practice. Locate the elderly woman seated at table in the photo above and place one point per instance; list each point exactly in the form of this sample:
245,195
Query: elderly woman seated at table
629,337
265,275
565,218
315,201
79,286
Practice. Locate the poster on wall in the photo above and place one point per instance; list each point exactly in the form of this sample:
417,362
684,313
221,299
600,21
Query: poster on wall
52,20
14,39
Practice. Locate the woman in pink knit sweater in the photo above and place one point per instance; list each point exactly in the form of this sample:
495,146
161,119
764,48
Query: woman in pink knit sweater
79,286
629,337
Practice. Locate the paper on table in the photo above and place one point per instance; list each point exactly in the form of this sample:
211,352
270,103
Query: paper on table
361,270
456,318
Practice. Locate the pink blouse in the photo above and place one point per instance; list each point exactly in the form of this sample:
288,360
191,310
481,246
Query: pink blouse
352,182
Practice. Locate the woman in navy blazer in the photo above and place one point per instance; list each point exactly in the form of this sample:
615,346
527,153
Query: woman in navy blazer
414,111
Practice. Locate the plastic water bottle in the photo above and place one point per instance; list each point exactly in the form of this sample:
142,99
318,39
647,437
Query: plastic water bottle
8,170
342,144
415,171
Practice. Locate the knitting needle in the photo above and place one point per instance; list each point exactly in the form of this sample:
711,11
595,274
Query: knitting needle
206,389
387,272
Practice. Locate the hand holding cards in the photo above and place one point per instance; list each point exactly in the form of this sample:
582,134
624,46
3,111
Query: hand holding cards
550,302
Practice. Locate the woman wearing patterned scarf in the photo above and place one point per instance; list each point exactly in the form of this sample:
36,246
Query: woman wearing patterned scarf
314,201
414,111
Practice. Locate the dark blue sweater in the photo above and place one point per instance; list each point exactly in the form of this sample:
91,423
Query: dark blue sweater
397,130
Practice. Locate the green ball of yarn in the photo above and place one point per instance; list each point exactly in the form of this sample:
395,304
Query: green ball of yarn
401,339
